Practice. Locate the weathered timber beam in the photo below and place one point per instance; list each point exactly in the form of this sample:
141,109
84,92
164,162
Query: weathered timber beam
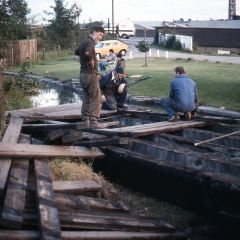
80,203
76,187
107,221
93,235
151,128
10,137
47,208
42,151
104,142
102,221
53,126
14,202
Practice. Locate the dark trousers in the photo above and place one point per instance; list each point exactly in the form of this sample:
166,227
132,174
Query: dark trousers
114,100
92,99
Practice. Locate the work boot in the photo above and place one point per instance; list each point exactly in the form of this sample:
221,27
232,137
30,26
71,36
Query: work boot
187,115
85,122
97,125
122,107
174,118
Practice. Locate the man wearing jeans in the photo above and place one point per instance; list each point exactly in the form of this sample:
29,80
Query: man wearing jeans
183,96
92,101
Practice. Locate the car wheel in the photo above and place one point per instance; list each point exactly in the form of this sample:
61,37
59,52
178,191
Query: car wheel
125,36
122,52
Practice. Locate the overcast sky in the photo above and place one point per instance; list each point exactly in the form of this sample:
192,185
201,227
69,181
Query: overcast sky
168,10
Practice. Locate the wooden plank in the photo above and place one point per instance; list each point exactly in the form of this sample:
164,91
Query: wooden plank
11,136
97,220
76,187
151,128
109,221
42,151
63,111
49,221
80,203
93,235
14,202
104,142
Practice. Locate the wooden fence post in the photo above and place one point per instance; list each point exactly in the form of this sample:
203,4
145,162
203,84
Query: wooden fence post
2,102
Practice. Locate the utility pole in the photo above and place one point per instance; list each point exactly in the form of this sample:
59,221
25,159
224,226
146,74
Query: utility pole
231,9
113,17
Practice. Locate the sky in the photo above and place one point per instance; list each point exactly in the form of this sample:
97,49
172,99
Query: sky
136,10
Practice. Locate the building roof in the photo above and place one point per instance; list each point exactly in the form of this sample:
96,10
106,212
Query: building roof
150,24
227,24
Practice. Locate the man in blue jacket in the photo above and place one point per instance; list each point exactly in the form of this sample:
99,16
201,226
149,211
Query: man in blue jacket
183,96
114,90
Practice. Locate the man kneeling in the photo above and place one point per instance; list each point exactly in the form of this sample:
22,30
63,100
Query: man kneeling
183,96
114,90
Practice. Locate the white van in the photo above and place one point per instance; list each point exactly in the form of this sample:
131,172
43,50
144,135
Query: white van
125,29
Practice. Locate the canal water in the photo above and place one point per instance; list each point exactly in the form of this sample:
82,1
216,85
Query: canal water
49,96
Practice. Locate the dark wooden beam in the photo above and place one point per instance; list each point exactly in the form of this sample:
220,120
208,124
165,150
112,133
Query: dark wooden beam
77,204
94,235
47,208
14,202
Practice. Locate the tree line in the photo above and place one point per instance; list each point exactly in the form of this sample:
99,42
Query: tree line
62,31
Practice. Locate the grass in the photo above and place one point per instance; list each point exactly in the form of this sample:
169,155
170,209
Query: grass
218,83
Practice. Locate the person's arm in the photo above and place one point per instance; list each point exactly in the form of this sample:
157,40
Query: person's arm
88,53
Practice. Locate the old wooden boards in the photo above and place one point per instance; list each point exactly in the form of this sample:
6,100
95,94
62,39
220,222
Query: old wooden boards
10,137
64,111
43,151
151,128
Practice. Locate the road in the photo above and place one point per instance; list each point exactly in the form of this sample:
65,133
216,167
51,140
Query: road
134,53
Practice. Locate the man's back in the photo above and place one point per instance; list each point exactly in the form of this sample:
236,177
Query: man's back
183,92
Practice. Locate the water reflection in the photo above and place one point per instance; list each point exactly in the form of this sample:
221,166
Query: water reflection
52,97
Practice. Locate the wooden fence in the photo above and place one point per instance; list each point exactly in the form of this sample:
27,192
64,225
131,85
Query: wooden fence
19,51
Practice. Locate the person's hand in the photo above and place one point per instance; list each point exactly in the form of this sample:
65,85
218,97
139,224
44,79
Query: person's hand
103,98
121,87
77,58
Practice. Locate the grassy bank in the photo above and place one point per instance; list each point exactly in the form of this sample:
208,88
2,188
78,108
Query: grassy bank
218,83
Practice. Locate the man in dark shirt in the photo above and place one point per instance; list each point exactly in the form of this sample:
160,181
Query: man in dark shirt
114,89
92,100
183,96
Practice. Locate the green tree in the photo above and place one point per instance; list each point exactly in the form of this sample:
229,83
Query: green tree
62,28
18,25
143,46
13,26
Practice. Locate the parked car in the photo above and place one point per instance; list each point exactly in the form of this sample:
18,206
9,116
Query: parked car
102,48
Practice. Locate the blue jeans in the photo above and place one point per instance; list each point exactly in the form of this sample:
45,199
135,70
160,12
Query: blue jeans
166,103
102,65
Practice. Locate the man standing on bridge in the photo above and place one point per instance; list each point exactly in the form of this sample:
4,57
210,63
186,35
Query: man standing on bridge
92,99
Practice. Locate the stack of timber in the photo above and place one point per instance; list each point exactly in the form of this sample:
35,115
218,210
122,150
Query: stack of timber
35,207
195,164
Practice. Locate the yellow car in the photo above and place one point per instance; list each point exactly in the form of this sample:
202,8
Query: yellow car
102,48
